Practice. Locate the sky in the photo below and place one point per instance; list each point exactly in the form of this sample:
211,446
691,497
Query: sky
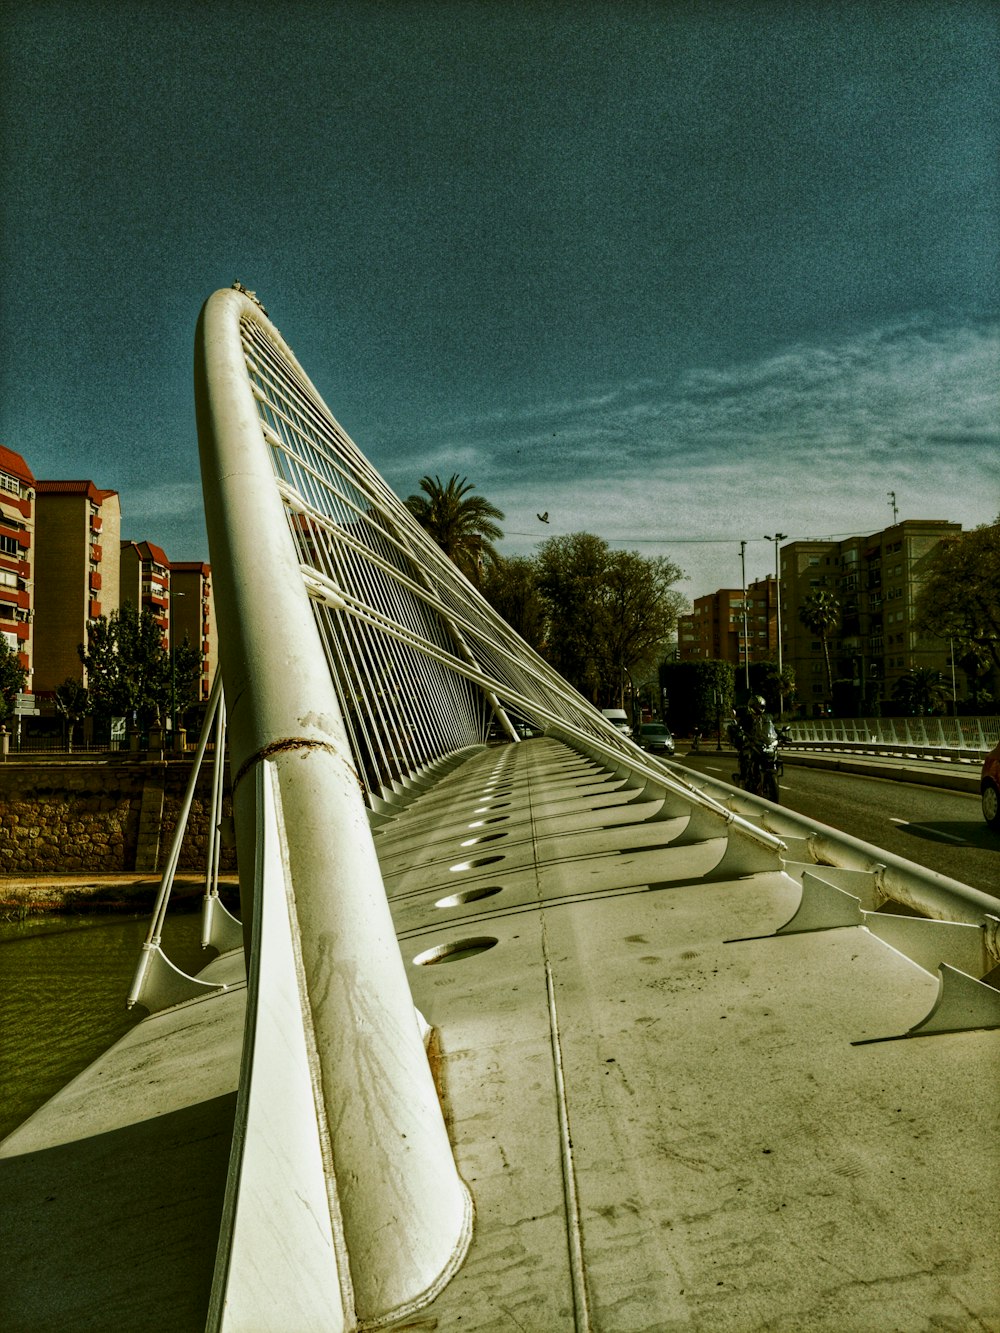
681,274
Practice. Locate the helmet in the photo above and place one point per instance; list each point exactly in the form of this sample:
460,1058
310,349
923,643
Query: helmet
756,703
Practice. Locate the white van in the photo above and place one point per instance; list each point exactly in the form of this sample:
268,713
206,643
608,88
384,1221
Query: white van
618,718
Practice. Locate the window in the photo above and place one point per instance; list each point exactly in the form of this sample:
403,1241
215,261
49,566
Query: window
8,482
8,579
8,546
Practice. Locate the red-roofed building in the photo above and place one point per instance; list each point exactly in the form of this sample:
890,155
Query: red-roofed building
17,554
76,573
192,613
717,627
145,582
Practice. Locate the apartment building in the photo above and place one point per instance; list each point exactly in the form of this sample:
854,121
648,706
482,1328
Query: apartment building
145,582
76,574
17,559
192,615
875,580
716,627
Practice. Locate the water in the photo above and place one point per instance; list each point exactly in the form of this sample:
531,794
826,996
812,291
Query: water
63,984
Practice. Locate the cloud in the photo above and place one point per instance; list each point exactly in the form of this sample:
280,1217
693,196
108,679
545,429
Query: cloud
809,441
171,500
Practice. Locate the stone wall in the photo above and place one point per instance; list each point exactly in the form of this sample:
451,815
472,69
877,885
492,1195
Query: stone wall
84,815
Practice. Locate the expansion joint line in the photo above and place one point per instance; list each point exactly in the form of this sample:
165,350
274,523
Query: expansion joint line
574,1225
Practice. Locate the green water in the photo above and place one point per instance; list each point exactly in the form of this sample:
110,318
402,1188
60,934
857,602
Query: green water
63,984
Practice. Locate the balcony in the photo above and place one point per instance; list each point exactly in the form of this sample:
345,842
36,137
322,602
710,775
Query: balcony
14,596
95,609
15,538
96,552
95,581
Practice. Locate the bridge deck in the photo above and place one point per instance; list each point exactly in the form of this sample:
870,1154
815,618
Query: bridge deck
679,1127
657,1106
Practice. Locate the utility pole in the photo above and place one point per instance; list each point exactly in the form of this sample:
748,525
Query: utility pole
777,539
746,636
892,506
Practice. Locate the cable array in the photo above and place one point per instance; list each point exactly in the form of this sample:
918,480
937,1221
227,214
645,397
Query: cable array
423,666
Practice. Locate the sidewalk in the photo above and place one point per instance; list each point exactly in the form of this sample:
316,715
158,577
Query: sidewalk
952,775
87,891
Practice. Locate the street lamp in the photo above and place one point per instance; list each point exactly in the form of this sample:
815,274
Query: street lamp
777,539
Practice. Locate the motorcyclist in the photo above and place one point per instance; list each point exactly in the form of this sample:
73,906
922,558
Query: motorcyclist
751,727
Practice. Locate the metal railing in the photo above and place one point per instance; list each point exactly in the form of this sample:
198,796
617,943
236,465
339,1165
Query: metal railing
933,737
55,747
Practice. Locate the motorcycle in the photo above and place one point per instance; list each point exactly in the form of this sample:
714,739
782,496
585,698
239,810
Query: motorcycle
760,761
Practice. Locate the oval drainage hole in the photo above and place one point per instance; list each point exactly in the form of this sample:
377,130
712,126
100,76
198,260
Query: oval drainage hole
468,896
454,952
472,865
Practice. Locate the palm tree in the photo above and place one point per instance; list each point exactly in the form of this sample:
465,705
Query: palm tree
820,613
921,691
461,524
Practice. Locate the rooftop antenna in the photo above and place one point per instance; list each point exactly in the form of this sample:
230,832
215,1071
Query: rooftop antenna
892,503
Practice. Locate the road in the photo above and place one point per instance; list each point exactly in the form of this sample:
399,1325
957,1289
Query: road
942,830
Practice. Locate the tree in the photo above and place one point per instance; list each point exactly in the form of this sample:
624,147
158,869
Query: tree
921,691
960,597
128,669
72,704
463,525
776,687
699,695
820,613
185,677
570,578
511,588
609,612
13,677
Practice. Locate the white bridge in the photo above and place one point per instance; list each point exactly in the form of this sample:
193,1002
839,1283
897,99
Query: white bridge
533,1035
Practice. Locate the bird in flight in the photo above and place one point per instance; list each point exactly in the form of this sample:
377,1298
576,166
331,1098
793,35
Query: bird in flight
543,518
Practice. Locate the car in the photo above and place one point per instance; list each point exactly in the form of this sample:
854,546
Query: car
989,785
618,718
656,737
